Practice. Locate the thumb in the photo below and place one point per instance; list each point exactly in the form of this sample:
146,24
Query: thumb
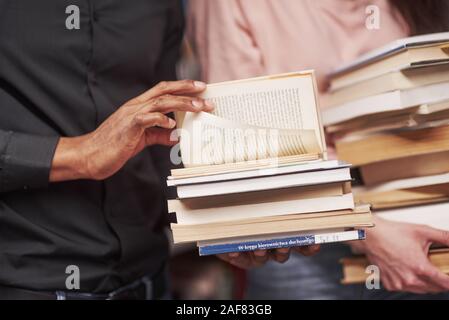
160,136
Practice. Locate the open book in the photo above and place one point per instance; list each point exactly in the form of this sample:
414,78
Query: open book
272,117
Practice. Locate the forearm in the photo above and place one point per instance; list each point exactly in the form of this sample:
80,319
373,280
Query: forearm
69,162
30,161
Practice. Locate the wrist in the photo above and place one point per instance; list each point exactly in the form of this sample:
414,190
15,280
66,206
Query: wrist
70,160
358,247
361,247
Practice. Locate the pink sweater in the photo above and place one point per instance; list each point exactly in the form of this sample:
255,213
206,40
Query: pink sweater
246,38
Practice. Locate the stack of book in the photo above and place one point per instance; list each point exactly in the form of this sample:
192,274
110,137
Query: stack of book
388,113
255,171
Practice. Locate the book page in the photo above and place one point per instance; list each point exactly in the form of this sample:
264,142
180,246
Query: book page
284,103
209,140
253,119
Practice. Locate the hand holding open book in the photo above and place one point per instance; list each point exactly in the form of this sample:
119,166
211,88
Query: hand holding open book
254,119
256,174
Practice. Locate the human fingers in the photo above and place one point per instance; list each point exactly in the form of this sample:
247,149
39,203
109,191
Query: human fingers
159,136
434,277
281,255
171,87
434,235
259,256
170,103
154,119
308,250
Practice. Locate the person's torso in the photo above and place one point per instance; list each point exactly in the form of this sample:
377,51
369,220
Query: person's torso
58,79
319,34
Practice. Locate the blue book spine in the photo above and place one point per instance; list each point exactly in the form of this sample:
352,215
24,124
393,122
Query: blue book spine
294,241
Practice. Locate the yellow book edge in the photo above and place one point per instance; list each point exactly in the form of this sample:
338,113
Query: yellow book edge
360,217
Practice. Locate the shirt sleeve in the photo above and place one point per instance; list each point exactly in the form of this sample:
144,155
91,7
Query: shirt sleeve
25,160
221,37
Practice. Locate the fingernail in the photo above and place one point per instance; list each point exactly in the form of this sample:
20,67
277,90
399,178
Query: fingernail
174,135
197,103
200,84
171,123
283,250
233,254
210,105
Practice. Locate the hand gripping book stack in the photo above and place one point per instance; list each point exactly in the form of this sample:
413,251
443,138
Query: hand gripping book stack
256,174
389,114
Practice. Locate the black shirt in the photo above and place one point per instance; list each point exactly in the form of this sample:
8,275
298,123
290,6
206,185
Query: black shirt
58,82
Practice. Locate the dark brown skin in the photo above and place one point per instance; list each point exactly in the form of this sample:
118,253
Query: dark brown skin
139,123
248,260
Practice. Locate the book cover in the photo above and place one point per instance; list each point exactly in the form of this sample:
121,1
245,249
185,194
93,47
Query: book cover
293,241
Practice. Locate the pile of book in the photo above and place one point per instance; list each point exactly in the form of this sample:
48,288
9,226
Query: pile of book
388,113
255,171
